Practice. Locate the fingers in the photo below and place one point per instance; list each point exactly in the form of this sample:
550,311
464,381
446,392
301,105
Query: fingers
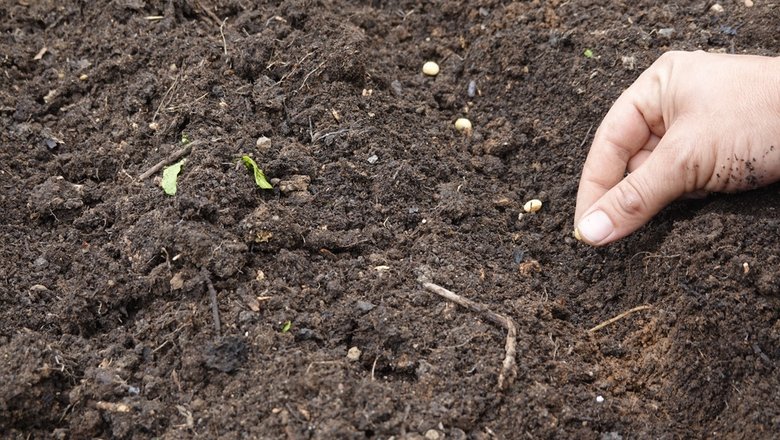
635,199
634,123
639,158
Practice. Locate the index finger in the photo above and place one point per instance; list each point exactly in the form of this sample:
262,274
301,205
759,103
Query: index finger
626,129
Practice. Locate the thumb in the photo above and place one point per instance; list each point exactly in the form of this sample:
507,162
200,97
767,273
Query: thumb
631,203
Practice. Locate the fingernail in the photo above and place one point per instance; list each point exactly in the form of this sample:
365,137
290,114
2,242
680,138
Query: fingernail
595,227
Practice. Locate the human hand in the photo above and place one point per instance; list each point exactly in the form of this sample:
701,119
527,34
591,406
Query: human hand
693,122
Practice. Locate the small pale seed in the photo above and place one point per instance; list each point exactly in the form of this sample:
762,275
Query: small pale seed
577,234
430,68
533,205
463,125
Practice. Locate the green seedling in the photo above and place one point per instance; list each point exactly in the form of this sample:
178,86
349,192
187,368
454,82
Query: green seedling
170,175
185,139
260,179
588,53
286,326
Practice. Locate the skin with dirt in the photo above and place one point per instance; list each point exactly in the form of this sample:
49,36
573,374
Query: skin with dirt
107,327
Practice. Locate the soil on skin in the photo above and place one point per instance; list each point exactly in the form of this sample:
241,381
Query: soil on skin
106,322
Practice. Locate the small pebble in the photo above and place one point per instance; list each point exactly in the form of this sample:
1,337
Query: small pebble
629,62
472,90
262,142
373,159
666,32
716,8
396,87
533,205
50,143
353,354
305,333
599,399
364,306
430,68
463,125
433,434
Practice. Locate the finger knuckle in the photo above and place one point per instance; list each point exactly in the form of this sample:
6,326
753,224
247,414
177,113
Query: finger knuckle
630,198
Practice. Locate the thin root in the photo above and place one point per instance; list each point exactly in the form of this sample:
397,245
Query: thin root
508,368
619,317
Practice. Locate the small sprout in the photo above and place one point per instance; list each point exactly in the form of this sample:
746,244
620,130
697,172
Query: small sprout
588,53
260,179
286,326
170,174
184,138
533,205
430,68
463,125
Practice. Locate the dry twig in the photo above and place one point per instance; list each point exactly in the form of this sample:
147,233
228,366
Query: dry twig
587,135
173,157
508,368
619,317
214,304
222,33
165,97
211,15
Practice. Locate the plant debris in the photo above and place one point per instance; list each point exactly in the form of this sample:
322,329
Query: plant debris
260,179
170,176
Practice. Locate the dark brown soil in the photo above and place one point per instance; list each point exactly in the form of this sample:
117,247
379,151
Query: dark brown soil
106,325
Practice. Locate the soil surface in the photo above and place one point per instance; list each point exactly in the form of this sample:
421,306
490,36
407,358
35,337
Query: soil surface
107,326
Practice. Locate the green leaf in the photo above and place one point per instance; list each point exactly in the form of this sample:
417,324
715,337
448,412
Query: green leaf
170,174
588,53
259,176
185,139
286,326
